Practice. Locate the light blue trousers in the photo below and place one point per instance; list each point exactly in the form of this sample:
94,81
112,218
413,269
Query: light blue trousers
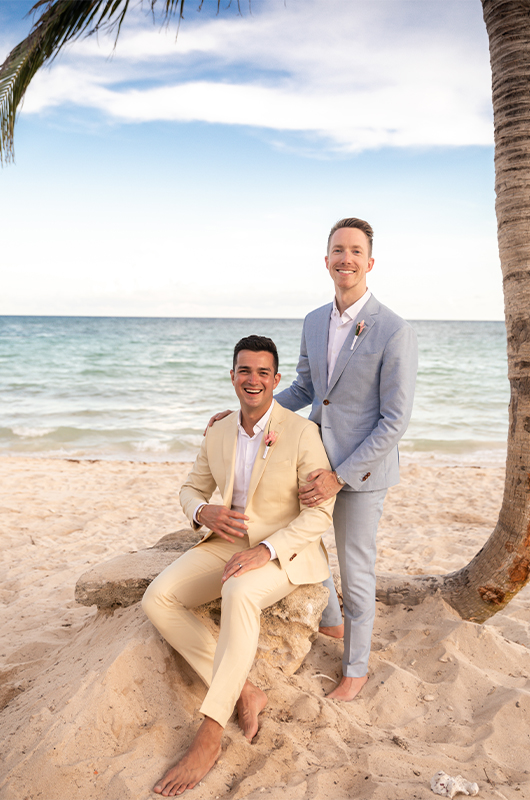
355,519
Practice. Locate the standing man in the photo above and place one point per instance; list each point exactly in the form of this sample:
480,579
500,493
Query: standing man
260,544
357,368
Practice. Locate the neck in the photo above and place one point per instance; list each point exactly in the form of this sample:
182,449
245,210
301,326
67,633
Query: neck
249,419
345,299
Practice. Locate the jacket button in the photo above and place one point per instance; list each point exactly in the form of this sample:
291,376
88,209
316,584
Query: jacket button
366,476
325,402
293,556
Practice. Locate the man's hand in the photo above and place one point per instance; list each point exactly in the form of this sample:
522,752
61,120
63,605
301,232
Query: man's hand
243,562
322,484
222,521
216,418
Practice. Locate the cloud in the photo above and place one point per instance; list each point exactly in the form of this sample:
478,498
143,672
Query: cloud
356,75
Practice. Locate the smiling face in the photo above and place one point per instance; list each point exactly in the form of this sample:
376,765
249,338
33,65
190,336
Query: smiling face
254,381
348,262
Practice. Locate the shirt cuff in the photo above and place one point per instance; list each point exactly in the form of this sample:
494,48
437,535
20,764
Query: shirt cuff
201,505
271,549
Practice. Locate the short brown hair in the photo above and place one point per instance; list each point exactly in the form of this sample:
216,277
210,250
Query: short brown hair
353,222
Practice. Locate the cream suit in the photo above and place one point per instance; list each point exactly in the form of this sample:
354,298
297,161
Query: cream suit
275,514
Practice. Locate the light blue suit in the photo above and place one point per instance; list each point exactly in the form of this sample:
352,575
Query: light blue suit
362,414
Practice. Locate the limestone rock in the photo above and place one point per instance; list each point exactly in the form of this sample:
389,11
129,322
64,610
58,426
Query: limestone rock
288,628
123,580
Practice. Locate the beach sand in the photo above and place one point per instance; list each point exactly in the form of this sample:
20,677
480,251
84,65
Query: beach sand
96,707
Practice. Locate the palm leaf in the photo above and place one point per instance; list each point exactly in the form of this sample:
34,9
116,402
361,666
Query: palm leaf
60,22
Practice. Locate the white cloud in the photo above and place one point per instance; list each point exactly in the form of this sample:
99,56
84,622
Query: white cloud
358,75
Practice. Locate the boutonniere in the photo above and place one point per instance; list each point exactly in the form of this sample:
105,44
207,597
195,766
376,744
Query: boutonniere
270,438
359,328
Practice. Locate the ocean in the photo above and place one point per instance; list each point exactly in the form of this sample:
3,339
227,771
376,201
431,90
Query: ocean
144,388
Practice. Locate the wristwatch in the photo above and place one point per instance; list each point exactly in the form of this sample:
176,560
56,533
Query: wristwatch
339,480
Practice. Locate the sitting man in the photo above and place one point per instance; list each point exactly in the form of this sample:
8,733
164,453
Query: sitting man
261,543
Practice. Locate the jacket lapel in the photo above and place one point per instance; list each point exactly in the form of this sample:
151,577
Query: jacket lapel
229,459
369,314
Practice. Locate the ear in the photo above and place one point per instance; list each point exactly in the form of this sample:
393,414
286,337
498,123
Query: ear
277,379
232,376
371,263
326,260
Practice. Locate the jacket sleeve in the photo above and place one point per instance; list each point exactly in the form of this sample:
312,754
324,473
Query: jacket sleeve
301,392
396,389
199,485
311,523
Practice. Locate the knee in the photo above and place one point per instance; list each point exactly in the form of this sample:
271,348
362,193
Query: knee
235,596
150,601
231,591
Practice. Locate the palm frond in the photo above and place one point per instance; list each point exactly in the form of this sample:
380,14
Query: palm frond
61,21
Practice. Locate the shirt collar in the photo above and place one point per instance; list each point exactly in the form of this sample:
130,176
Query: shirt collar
260,425
351,312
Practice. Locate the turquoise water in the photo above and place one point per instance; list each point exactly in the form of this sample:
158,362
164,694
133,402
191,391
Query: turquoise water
142,388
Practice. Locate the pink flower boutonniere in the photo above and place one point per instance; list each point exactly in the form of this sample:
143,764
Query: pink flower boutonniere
359,328
270,439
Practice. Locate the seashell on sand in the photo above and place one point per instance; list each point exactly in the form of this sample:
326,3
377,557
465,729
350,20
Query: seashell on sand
444,784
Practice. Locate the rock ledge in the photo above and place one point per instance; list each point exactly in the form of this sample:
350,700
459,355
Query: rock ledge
288,628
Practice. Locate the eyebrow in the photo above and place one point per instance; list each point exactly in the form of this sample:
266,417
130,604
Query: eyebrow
341,247
246,366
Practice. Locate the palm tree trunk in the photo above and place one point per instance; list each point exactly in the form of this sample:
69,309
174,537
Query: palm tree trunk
502,567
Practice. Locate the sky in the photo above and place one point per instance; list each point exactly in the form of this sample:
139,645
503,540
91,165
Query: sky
199,174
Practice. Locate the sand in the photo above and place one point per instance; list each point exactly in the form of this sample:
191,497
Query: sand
96,707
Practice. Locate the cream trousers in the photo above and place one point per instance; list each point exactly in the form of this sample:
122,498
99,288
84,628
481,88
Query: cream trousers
194,579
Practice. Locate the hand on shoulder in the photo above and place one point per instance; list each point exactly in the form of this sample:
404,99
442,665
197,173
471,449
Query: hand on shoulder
216,418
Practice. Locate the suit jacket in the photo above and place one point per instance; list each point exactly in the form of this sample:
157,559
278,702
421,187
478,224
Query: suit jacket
274,510
365,409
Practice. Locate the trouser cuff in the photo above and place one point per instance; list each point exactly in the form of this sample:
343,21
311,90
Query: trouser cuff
217,711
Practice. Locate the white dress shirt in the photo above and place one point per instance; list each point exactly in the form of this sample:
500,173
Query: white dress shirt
246,451
340,326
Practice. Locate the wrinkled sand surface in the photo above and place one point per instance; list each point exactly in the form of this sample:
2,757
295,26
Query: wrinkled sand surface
97,707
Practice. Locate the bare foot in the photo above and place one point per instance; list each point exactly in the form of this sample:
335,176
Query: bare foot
348,688
336,631
196,762
251,703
